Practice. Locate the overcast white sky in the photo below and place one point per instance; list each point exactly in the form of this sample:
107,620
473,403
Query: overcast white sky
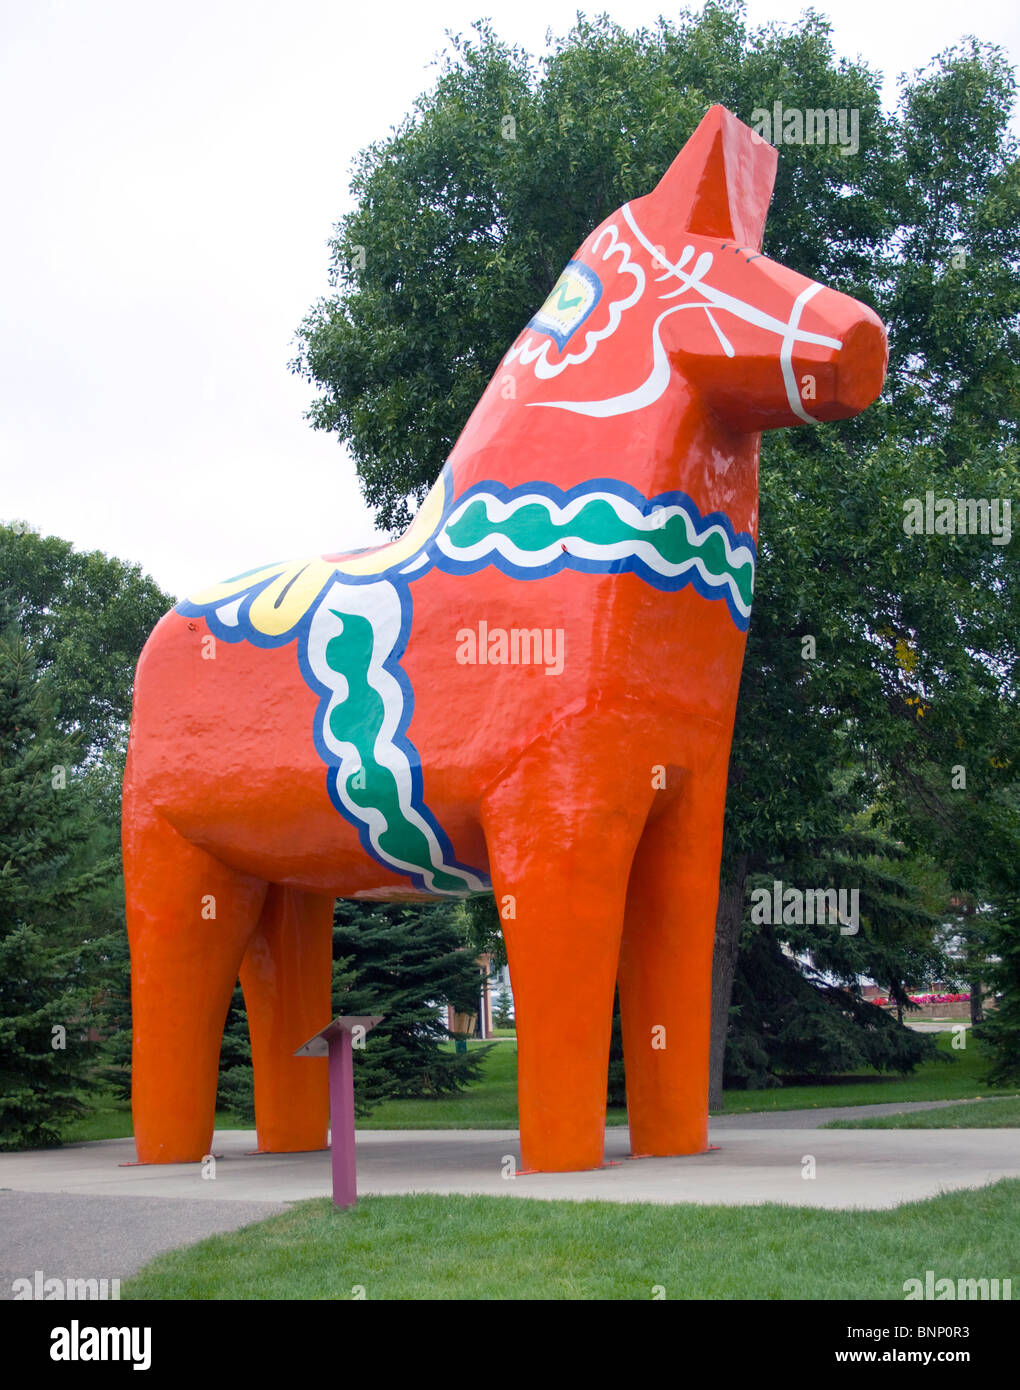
171,171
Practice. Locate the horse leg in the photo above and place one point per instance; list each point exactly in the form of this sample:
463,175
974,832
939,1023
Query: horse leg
286,976
189,919
561,830
665,976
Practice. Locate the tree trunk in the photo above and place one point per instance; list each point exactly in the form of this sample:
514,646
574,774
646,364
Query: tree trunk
971,953
977,1013
728,921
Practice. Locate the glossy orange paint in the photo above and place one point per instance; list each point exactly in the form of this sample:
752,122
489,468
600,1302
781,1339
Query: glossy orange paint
588,781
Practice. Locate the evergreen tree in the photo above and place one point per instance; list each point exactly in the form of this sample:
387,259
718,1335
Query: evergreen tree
800,1010
115,1070
236,1090
83,618
616,1088
999,1034
502,1012
49,956
404,961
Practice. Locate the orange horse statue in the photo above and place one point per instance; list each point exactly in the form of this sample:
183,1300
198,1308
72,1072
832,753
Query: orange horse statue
531,692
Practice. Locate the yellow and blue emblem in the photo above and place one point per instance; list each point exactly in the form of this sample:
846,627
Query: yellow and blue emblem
571,301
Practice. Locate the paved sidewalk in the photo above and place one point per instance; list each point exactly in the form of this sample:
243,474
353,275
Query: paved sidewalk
867,1168
76,1237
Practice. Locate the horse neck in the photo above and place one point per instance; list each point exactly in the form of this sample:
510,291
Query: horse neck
673,445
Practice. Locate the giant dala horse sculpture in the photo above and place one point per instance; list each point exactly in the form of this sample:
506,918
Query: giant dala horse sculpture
532,690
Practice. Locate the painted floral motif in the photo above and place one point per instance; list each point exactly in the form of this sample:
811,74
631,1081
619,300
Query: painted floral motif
695,292
572,300
621,283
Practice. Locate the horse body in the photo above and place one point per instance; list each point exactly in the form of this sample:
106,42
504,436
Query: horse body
533,689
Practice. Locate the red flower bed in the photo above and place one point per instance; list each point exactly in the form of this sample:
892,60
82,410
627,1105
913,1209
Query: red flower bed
927,999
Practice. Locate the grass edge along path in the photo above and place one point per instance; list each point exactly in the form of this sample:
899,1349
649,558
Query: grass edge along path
435,1247
999,1112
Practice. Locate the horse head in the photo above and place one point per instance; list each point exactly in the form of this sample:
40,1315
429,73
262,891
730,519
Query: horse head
673,287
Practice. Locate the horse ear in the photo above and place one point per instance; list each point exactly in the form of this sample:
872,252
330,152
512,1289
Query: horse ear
720,183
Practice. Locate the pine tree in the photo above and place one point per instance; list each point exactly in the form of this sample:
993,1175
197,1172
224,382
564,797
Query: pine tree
116,1007
404,961
801,1011
236,1090
502,1010
48,963
999,1034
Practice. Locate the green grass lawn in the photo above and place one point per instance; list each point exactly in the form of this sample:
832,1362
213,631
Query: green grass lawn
957,1075
111,1119
430,1247
492,1102
978,1114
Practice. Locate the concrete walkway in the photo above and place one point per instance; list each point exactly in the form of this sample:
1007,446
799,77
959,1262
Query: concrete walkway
79,1212
78,1237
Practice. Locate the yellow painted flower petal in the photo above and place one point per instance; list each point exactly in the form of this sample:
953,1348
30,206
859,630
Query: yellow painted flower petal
215,594
285,600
